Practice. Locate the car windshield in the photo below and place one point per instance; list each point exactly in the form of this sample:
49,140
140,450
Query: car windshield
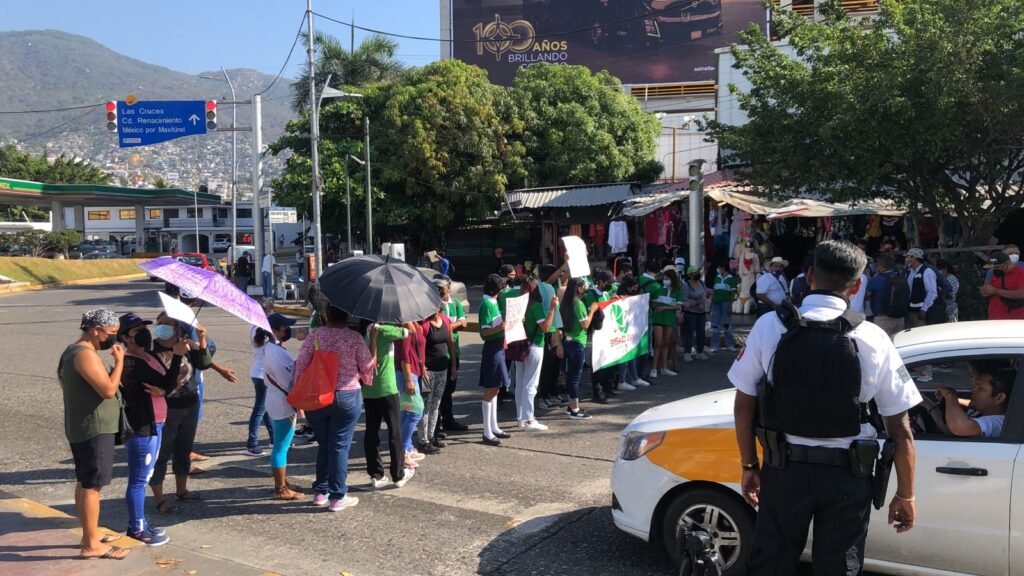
193,260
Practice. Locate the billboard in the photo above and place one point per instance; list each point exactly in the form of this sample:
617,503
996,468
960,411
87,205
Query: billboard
639,41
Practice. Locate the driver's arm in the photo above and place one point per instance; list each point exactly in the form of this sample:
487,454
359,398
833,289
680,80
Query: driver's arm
958,422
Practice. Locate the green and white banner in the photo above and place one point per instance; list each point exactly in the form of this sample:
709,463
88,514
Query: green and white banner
623,335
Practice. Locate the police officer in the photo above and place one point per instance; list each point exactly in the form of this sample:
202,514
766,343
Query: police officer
813,476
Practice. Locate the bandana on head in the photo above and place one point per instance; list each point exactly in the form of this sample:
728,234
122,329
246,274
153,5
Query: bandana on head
99,318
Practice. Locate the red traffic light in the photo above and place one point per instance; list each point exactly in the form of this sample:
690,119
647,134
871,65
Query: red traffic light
111,106
211,104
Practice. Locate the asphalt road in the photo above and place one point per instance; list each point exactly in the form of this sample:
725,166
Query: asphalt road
538,505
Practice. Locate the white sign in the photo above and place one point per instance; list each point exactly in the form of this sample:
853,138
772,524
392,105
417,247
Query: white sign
515,313
177,310
576,252
279,215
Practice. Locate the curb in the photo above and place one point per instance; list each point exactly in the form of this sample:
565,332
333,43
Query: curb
17,287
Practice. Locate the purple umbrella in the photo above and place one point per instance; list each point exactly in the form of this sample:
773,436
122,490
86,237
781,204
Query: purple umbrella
210,287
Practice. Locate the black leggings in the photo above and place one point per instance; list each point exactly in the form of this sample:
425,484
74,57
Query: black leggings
550,368
177,443
384,410
447,416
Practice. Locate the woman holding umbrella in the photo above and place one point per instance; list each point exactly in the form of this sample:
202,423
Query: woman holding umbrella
334,425
493,373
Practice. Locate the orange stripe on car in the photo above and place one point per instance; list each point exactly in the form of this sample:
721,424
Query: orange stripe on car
708,454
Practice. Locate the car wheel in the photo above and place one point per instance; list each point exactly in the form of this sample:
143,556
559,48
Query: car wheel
730,521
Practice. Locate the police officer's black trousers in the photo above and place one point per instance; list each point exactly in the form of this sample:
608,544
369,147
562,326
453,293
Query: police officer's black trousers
840,506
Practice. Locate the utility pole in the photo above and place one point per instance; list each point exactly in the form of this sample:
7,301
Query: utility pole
234,170
369,189
314,137
348,197
257,183
697,213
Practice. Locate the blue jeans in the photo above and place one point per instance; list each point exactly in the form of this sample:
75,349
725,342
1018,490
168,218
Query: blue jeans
628,372
259,414
268,286
409,420
693,336
721,319
575,356
333,428
141,453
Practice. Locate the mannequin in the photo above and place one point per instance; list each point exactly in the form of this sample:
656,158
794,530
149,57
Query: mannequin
750,267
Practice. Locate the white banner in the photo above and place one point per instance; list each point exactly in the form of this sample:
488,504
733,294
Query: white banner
515,313
623,334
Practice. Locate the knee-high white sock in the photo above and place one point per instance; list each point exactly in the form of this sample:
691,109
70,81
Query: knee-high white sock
494,416
485,411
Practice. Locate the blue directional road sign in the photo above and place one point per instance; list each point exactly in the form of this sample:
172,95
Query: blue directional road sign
144,123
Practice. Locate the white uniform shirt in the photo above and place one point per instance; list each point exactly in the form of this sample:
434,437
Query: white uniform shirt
857,298
772,287
278,364
883,376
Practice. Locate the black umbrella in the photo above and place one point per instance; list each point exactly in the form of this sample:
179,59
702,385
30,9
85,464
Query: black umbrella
381,289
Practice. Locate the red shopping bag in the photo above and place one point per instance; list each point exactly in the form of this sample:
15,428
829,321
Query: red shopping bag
315,389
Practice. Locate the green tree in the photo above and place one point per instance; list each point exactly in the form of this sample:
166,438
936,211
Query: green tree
373,61
62,170
159,182
63,240
922,107
34,242
581,128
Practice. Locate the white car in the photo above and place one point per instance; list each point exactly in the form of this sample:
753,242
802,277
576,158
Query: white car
679,461
220,245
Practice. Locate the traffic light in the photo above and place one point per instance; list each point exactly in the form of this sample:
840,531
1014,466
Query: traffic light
211,115
696,175
112,116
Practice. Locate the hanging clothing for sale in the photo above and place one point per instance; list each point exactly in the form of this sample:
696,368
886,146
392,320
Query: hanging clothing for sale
651,228
576,230
891,225
618,236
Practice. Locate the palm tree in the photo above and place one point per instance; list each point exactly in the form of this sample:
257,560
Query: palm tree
372,62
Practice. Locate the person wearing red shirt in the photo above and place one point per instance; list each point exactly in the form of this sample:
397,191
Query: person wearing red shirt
1005,290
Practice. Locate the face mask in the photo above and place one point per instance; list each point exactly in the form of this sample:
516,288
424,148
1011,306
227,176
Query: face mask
1015,258
287,334
777,273
163,332
667,283
144,338
109,342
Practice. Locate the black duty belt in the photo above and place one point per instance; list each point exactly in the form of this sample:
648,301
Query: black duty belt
818,455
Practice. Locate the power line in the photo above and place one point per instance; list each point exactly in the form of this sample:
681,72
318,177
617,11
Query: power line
82,107
57,127
298,34
672,8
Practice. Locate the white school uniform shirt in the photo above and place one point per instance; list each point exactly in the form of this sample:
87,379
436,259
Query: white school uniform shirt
278,365
884,378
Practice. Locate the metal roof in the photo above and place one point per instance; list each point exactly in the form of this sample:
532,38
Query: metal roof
570,196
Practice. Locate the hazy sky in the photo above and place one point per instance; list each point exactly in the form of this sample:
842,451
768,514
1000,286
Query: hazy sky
196,35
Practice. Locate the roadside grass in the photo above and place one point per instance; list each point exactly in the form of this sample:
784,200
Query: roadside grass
47,271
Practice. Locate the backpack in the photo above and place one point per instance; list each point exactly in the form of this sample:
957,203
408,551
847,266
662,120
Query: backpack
815,386
897,298
799,289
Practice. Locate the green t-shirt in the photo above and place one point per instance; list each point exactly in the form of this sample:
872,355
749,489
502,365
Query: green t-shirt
725,289
454,310
577,332
650,286
489,315
666,317
384,383
590,296
86,413
535,315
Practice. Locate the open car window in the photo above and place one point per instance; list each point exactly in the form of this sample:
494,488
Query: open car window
955,373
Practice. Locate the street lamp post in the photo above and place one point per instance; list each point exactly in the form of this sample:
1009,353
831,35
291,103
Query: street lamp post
348,197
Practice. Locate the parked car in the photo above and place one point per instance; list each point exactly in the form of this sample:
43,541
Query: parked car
102,255
220,245
679,462
459,291
198,260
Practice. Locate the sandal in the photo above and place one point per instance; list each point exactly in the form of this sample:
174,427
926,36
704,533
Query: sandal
166,507
197,457
288,495
189,496
114,553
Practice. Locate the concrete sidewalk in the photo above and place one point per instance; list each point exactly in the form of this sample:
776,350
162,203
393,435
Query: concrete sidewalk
37,539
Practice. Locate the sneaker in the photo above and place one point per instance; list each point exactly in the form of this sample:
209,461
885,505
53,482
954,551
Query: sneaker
410,464
653,374
701,356
733,349
668,372
687,357
343,503
415,456
150,538
157,530
640,382
407,474
626,387
306,430
712,350
578,414
534,425
382,482
429,449
320,500
257,451
454,426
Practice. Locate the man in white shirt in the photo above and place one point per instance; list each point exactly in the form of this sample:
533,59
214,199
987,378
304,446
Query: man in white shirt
772,286
268,275
811,476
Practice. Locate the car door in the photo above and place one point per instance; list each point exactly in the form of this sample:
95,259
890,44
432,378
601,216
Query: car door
963,488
